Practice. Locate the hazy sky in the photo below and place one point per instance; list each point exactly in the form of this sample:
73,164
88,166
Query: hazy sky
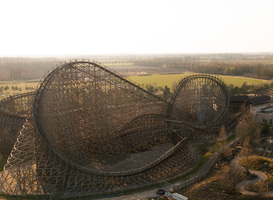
59,27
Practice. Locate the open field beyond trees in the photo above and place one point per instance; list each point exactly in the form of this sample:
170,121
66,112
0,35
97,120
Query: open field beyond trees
170,79
8,88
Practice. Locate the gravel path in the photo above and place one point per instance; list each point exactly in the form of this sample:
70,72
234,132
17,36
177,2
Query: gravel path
241,186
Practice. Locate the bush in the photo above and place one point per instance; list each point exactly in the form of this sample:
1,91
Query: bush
14,87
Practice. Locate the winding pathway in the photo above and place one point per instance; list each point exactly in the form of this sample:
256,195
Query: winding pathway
241,186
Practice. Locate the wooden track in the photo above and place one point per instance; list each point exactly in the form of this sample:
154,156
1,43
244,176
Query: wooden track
91,131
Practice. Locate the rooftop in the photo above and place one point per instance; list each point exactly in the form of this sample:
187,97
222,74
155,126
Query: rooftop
260,100
239,98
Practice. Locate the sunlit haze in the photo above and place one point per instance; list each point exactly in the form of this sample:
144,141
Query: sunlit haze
46,28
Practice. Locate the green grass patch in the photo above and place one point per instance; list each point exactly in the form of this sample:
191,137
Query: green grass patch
220,144
257,163
232,137
169,79
157,79
22,86
239,80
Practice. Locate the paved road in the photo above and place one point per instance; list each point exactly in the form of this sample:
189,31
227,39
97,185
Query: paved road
141,195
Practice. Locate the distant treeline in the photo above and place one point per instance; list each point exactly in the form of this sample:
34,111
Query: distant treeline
250,89
25,68
235,65
244,89
235,69
253,69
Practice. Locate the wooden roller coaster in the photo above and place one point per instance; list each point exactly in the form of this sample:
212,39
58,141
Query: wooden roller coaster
89,131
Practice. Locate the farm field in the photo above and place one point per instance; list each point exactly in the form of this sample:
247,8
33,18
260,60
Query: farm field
17,87
10,88
169,79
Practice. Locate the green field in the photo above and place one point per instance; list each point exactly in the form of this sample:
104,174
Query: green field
117,64
169,79
155,80
21,85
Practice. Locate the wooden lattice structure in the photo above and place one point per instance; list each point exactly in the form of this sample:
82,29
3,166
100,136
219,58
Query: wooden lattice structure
89,131
198,108
199,99
13,113
92,131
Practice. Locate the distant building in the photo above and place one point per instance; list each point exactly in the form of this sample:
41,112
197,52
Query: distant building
260,100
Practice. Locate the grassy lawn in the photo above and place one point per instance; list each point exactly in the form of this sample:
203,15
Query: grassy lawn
169,79
23,87
155,80
257,163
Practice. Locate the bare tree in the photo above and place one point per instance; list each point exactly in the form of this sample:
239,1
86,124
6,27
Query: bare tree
222,134
248,128
230,179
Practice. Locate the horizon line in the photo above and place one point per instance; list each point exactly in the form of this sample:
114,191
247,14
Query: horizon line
124,54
